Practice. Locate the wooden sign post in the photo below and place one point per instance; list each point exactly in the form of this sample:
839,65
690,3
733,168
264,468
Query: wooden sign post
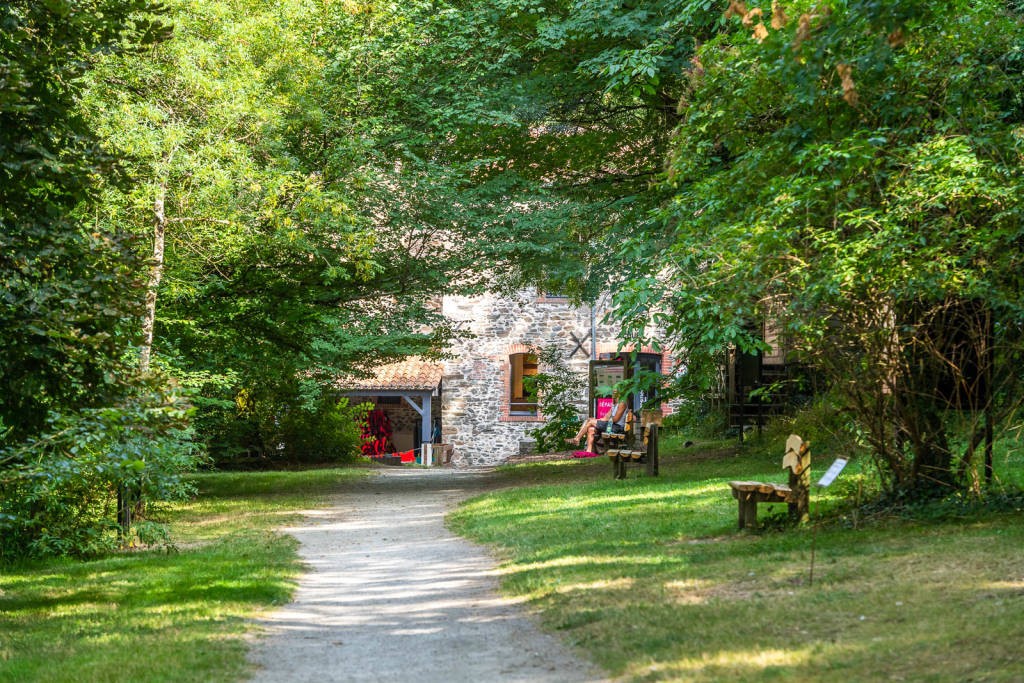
826,480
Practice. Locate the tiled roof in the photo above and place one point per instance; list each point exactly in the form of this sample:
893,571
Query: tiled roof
411,374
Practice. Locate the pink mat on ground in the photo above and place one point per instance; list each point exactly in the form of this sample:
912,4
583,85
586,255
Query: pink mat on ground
584,454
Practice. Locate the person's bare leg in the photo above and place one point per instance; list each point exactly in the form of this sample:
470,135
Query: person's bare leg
587,425
576,439
591,435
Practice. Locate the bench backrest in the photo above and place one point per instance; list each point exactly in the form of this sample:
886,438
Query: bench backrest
798,455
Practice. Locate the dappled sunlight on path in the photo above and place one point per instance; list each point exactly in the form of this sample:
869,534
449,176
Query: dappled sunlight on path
392,595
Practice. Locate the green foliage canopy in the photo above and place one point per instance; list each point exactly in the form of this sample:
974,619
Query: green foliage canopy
270,269
534,128
854,172
290,257
70,287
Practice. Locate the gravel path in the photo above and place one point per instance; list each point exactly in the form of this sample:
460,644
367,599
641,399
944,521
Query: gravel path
392,595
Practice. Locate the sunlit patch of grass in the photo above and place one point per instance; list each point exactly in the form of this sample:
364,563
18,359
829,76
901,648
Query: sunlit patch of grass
726,665
651,577
163,616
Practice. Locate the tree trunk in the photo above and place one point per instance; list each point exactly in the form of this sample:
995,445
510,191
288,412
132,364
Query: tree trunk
933,460
156,270
130,504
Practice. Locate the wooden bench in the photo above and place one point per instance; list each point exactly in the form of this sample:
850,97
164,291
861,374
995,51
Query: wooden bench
638,445
797,460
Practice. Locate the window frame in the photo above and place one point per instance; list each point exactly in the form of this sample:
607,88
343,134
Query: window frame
520,367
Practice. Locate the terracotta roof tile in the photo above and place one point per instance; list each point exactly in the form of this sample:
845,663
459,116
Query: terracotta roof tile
411,374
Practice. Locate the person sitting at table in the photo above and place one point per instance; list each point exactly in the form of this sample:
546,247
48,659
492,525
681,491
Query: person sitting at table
612,421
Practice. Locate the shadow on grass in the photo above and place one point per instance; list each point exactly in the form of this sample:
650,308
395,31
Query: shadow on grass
652,578
160,616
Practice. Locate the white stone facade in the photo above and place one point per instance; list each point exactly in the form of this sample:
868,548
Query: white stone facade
475,395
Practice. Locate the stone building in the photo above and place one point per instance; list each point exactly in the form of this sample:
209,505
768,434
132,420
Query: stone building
485,414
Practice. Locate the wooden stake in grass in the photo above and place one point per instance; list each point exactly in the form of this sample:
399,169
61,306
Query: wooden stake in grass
814,539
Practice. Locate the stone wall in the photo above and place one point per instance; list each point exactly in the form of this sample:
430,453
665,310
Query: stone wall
475,389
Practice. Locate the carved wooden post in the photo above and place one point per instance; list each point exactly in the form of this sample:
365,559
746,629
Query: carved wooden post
798,461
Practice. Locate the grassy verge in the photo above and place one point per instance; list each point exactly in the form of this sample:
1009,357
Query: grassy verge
652,579
159,616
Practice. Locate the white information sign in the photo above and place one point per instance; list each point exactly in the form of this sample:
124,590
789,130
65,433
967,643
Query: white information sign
833,472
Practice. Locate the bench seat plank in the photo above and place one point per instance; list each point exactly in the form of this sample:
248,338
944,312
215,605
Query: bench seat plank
750,493
764,488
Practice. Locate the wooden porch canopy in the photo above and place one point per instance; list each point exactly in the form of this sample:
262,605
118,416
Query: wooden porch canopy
416,380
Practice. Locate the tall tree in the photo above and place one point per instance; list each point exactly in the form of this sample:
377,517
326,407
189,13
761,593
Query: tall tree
272,270
70,287
853,170
75,414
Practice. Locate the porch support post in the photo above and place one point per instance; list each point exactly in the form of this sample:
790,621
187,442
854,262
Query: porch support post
424,410
427,424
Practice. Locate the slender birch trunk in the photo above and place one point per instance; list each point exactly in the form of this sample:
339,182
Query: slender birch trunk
156,271
129,502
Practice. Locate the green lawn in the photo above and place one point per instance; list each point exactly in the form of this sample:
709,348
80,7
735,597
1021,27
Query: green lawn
652,579
649,576
158,616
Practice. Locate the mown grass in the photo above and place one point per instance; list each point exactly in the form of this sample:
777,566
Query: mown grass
652,579
154,615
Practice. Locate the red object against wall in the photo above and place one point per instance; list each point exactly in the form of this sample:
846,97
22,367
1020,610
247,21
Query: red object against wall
376,433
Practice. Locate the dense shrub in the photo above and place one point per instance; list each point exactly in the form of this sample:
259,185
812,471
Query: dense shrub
59,493
697,420
271,426
329,432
